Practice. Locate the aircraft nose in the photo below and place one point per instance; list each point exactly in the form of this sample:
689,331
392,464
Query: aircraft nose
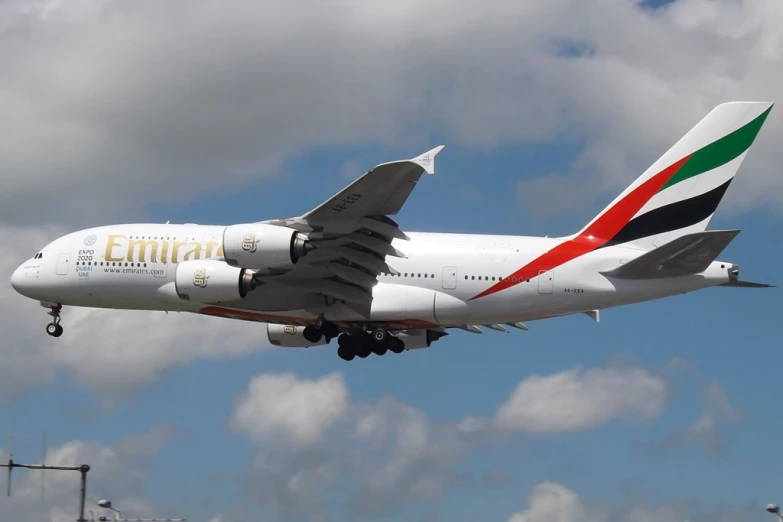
20,281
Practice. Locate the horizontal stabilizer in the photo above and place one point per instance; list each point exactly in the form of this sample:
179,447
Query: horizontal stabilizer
747,284
687,255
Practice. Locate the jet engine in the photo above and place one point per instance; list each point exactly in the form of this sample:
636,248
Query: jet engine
212,281
262,246
289,336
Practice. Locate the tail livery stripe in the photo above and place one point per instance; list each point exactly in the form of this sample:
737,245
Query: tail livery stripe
595,235
721,151
682,208
671,217
715,164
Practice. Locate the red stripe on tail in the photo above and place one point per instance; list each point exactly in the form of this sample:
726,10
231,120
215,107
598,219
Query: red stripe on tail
595,235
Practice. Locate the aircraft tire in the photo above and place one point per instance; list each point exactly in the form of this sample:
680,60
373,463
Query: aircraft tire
363,350
345,353
54,329
380,336
379,348
396,345
312,334
330,330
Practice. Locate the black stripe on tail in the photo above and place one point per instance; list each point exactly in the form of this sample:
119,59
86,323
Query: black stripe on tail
670,217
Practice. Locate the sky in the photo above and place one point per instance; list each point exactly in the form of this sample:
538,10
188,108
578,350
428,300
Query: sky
226,112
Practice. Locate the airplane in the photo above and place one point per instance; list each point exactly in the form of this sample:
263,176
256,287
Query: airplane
346,271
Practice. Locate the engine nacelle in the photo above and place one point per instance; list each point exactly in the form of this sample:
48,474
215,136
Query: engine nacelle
417,339
211,281
261,246
289,336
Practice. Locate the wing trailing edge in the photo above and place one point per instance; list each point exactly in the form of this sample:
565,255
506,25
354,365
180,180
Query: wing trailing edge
747,284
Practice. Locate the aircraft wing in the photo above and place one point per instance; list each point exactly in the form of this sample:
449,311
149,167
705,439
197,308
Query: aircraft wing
352,233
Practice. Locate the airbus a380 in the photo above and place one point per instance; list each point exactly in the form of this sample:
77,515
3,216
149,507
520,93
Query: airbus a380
345,270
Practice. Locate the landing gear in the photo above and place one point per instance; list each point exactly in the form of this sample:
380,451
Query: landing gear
347,349
54,328
396,345
312,334
363,344
380,335
322,328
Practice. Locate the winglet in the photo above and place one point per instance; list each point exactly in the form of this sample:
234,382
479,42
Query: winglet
427,160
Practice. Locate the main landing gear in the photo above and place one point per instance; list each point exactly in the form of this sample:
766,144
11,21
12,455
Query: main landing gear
363,344
54,328
321,329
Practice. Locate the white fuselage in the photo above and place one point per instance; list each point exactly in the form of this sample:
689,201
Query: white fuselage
134,267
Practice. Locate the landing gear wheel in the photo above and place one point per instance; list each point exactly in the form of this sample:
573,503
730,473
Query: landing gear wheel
312,334
347,347
380,335
54,329
396,345
330,330
345,353
379,348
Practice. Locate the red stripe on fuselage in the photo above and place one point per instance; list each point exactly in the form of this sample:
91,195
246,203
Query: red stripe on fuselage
597,234
249,315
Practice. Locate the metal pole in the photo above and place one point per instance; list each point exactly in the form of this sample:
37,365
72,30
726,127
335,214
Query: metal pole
83,469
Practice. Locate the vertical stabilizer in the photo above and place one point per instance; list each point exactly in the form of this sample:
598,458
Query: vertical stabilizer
680,192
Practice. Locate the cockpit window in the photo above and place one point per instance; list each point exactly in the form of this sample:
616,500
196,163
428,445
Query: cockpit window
39,255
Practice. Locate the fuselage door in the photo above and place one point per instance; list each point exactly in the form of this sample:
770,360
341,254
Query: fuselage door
63,260
449,277
546,281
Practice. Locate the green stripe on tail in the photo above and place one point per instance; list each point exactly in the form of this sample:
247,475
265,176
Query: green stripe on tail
719,152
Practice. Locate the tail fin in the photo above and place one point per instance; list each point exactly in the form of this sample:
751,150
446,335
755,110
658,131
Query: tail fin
680,192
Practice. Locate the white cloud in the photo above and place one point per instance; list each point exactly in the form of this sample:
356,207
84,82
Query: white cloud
311,438
113,104
709,430
299,410
574,400
552,502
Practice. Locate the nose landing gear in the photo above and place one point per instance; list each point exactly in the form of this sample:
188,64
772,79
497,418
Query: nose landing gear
54,328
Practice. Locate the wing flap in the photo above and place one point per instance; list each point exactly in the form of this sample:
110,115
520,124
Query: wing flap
365,260
687,255
353,275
